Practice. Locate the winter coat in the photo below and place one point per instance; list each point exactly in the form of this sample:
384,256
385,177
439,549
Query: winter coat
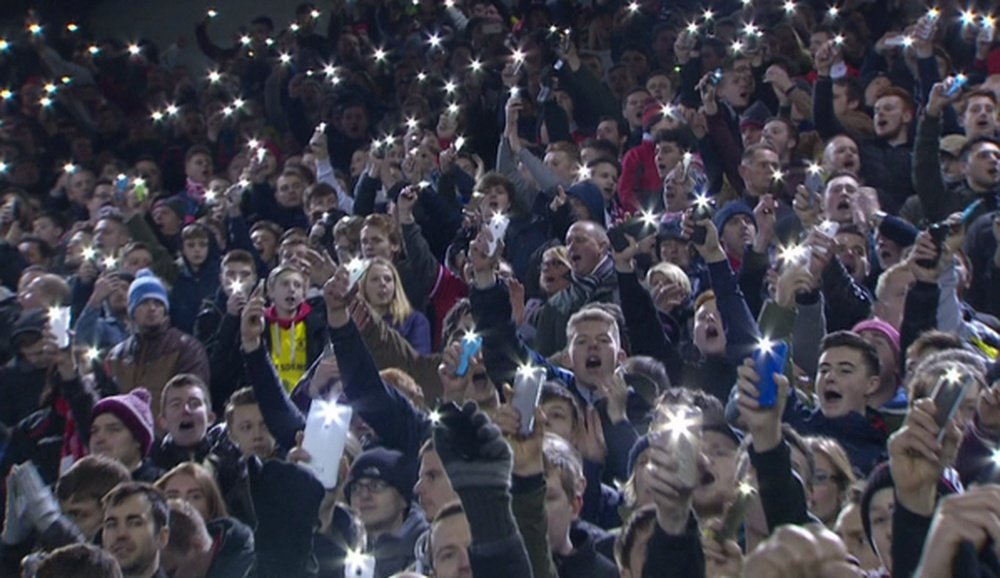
232,548
219,332
98,328
600,286
415,329
190,289
21,386
150,359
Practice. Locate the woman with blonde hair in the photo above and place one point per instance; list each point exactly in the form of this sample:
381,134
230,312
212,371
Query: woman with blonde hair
194,484
382,289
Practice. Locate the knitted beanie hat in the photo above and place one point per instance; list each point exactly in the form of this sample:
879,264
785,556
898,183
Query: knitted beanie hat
134,411
146,286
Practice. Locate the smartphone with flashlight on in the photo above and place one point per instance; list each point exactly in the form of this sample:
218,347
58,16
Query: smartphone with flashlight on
638,227
528,384
359,566
59,325
703,210
471,345
325,436
677,431
769,358
948,395
356,270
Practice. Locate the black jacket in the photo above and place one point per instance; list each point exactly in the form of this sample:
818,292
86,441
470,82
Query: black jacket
585,561
233,545
219,332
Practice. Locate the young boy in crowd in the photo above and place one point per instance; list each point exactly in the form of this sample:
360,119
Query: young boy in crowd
296,332
198,276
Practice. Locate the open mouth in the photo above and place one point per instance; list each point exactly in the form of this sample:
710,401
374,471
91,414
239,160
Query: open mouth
187,425
850,164
593,362
832,396
711,333
844,205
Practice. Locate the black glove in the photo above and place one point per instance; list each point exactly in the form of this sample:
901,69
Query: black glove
472,449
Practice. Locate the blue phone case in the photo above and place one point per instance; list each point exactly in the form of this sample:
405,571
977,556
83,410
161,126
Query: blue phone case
470,347
767,364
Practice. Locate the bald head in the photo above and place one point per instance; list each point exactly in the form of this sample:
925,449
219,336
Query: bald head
587,245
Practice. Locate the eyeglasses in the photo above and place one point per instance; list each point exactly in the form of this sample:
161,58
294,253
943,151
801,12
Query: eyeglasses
370,486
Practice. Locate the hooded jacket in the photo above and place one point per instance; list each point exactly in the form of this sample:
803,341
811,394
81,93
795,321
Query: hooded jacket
191,288
294,344
395,552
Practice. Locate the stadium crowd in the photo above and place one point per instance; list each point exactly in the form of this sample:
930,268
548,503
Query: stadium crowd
455,288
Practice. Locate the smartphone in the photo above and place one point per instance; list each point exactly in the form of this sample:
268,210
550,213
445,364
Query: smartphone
680,436
59,325
636,227
955,84
829,228
703,209
939,232
716,77
735,515
121,185
325,436
498,229
141,190
356,269
527,393
358,565
767,362
471,345
687,448
463,432
948,395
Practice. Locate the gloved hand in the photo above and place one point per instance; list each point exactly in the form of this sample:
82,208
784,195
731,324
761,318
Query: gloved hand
15,529
472,449
41,508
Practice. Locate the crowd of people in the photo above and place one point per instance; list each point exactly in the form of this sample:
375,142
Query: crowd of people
606,288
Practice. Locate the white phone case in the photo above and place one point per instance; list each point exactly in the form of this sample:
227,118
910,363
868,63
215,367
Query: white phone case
498,229
359,566
325,436
59,324
527,393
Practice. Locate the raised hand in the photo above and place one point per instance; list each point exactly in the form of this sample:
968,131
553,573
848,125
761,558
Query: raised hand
252,320
917,458
763,423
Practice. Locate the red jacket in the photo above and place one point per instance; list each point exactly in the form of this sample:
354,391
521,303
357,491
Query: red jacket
640,178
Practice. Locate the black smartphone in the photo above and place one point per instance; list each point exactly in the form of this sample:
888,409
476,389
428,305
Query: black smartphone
703,209
939,232
638,227
948,395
